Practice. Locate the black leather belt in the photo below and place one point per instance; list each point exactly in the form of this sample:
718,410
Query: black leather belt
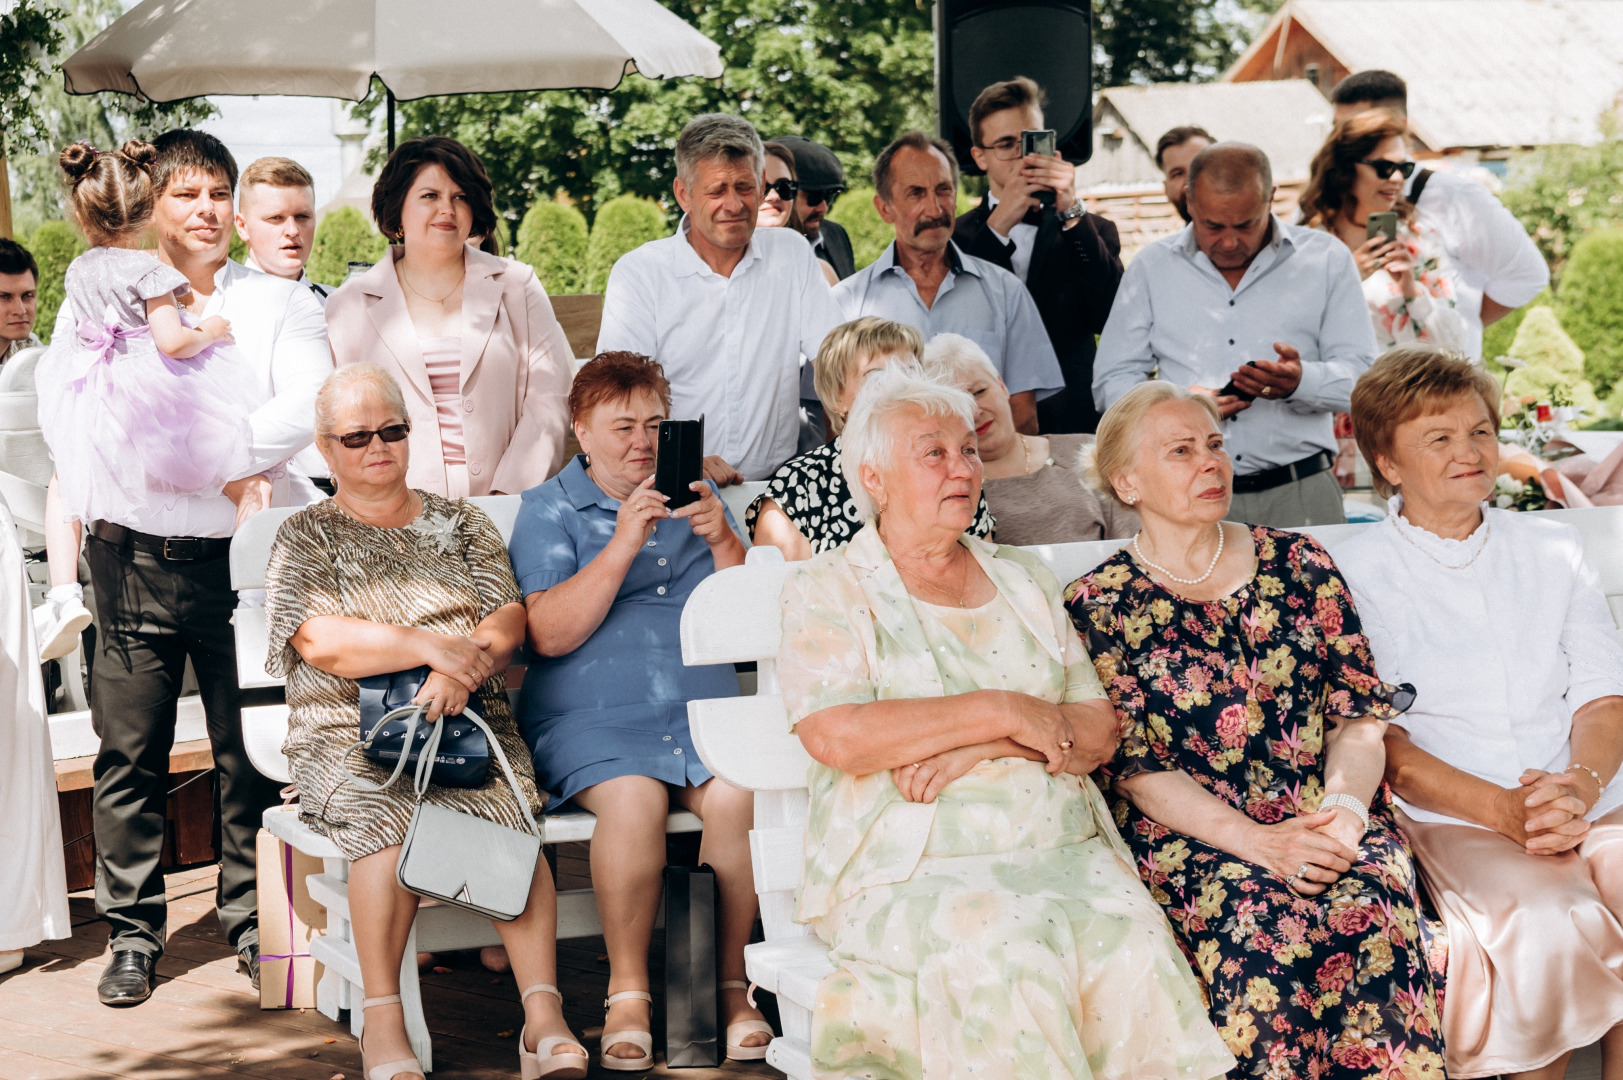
1268,479
173,548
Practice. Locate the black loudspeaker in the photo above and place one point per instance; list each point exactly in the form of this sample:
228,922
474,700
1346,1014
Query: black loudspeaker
980,42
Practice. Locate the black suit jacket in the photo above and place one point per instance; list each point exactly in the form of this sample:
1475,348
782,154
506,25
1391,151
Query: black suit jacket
1073,277
836,248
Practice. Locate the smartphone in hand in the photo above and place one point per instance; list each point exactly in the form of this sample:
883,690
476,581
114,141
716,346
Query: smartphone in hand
1382,224
1230,390
1043,142
679,461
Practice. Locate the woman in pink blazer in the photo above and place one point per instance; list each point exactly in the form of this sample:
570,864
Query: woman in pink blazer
470,337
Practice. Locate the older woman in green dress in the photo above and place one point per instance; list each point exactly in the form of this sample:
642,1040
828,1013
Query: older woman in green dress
981,911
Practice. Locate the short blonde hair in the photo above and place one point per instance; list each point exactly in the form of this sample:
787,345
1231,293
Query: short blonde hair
351,380
868,439
957,361
846,346
1411,381
1121,428
273,172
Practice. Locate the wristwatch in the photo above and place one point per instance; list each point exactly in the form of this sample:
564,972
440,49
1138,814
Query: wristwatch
1073,213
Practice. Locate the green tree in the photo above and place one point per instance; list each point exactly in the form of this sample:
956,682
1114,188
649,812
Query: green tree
553,239
625,222
29,37
1144,41
54,245
1561,193
1496,339
1553,361
344,236
1590,304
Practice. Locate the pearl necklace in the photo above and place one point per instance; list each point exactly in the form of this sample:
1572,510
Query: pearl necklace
1164,572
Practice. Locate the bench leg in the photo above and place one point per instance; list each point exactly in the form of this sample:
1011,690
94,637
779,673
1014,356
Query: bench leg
334,994
411,1003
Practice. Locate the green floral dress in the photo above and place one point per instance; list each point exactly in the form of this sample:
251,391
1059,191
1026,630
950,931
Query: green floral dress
1235,693
1001,930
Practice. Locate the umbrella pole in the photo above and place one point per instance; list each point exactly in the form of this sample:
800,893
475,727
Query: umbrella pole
390,94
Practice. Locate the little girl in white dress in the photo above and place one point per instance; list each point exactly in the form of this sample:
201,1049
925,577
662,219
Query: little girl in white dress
140,407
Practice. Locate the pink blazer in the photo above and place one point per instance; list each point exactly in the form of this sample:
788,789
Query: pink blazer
515,373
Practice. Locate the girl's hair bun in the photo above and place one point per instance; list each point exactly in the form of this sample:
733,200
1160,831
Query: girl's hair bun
140,152
77,159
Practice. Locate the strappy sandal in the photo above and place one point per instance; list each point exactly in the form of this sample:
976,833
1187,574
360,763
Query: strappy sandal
743,1029
642,1040
545,1061
389,1069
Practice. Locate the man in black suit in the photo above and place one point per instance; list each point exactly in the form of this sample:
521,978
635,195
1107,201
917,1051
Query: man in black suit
1070,260
821,179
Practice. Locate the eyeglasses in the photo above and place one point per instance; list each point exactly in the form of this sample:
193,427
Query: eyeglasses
784,189
815,196
1384,169
1005,149
360,440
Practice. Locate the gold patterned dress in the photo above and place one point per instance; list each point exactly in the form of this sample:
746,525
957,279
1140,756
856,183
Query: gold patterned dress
1000,931
445,572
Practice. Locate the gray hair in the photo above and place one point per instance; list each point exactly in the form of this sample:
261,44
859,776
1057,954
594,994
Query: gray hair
868,440
1229,167
957,361
352,380
717,135
923,142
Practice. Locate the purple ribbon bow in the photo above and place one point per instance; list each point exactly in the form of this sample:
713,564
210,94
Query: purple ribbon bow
98,340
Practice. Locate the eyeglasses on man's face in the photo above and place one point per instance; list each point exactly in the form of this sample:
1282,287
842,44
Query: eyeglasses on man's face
359,440
1384,168
1005,149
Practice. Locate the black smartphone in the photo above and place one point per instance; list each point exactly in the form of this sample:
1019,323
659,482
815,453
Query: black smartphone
679,461
1383,224
1230,390
1044,142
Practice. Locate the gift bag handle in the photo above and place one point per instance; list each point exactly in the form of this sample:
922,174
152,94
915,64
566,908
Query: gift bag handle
415,713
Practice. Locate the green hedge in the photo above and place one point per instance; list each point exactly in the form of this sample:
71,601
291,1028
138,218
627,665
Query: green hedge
869,233
54,245
552,238
623,224
343,236
1590,304
1553,361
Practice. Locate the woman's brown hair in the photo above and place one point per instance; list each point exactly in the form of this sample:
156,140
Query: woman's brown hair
409,158
1334,172
787,156
1410,381
111,191
614,376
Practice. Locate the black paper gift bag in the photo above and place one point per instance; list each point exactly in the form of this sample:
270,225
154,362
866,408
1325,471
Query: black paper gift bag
692,1013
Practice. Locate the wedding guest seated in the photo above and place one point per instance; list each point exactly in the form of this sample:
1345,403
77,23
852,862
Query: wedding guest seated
605,568
1034,483
1505,768
383,578
977,902
807,506
1248,780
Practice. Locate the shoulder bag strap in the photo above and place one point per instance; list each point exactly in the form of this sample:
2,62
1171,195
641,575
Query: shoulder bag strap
416,714
425,766
1419,185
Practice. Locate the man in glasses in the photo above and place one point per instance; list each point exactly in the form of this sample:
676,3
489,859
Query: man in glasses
1032,224
821,181
1497,267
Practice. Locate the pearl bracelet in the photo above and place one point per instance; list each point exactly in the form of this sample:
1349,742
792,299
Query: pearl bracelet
1350,803
1575,767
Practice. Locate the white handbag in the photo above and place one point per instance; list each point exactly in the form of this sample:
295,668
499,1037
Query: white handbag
462,859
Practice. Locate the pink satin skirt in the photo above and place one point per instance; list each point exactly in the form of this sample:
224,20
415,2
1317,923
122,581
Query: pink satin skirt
1535,946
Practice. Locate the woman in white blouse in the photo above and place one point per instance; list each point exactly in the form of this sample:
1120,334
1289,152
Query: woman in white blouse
1505,764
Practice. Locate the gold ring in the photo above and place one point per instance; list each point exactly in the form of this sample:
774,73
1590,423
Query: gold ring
1066,745
1267,391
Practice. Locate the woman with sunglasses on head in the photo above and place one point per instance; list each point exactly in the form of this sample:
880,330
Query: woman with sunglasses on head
1360,170
779,208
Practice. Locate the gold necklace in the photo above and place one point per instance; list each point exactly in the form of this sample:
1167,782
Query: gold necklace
441,301
963,585
1026,446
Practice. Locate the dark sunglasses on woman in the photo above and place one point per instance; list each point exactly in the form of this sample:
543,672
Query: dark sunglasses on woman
814,196
784,189
1384,169
358,440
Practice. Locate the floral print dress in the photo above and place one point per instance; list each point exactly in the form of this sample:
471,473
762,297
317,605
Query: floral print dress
1236,693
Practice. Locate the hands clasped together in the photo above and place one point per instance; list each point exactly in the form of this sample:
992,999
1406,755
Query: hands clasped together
1545,814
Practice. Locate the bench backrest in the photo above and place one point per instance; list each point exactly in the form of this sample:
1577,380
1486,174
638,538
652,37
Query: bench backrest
733,617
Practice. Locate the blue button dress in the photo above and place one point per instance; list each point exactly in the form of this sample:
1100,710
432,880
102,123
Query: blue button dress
616,706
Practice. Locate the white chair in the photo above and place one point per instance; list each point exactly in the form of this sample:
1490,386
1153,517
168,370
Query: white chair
737,499
733,617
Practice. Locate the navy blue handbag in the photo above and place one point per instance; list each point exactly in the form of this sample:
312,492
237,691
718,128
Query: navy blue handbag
393,733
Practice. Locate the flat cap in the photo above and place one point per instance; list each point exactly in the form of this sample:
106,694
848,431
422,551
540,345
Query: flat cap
815,165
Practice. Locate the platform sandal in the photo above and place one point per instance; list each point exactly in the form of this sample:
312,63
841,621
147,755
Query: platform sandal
545,1061
642,1040
389,1069
743,1029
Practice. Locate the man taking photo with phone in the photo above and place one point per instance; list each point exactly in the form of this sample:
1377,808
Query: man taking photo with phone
1032,224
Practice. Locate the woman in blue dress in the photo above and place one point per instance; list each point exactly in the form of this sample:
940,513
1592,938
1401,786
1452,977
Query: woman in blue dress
605,569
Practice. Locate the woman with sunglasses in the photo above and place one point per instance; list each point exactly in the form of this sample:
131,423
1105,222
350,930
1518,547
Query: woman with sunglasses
1359,171
383,578
779,208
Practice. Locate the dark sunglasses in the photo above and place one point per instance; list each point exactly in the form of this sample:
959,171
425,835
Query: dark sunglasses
814,196
359,440
784,189
1384,169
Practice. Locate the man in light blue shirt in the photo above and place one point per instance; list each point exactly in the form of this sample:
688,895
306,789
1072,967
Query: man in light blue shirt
925,281
1266,317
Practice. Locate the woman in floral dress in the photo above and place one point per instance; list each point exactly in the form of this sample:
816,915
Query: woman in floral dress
1247,782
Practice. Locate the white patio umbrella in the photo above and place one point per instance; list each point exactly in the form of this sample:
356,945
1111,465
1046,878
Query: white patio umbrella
166,50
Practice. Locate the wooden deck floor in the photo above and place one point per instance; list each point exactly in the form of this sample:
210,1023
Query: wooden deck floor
204,1021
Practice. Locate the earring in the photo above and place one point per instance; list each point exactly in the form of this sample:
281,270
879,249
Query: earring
1130,500
588,458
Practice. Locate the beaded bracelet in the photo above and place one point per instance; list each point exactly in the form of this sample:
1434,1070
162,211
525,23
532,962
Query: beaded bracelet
1585,768
1350,803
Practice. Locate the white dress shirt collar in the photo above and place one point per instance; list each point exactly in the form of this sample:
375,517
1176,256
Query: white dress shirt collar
1023,235
688,261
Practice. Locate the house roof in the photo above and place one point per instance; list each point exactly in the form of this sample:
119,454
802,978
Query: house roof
1287,119
1481,73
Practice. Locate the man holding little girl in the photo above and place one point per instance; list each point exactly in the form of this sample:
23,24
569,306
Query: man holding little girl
157,551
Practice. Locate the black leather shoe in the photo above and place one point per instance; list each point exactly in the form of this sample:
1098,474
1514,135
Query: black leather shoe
248,961
127,980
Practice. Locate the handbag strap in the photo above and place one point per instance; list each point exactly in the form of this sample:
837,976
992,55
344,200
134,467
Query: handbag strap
425,766
415,712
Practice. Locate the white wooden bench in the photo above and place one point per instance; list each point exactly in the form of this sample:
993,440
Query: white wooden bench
733,617
437,927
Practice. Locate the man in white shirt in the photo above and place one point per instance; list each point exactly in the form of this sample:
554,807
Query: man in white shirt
728,310
1203,307
1497,267
276,218
163,584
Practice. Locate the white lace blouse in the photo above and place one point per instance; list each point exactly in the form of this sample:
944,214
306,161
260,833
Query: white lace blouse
1504,634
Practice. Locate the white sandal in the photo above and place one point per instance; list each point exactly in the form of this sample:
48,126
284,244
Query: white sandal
642,1040
545,1061
389,1069
743,1029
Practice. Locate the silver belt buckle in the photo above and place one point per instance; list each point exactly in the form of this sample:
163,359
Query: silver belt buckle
182,548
